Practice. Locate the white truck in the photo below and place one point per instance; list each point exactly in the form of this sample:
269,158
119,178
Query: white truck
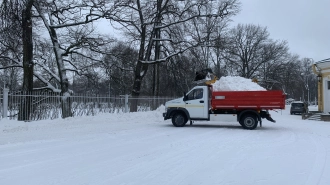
201,102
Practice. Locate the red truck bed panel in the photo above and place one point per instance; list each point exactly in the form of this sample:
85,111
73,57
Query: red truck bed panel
248,99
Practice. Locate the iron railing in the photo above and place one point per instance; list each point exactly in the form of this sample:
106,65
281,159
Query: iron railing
45,105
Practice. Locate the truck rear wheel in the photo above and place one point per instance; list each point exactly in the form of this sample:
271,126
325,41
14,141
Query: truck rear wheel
249,121
179,119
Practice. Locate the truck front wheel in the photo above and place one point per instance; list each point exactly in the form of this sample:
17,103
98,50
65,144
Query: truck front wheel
179,119
249,121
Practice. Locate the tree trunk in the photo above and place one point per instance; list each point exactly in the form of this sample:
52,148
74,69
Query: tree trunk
65,100
141,68
140,71
66,105
157,46
25,108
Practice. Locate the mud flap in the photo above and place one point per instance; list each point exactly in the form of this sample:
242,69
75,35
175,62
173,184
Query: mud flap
270,118
265,114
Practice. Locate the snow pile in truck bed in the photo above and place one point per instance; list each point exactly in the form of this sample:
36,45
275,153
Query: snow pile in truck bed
236,83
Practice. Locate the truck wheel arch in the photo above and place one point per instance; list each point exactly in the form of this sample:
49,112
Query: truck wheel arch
253,112
175,110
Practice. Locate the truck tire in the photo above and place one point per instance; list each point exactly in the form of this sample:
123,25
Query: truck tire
249,121
179,119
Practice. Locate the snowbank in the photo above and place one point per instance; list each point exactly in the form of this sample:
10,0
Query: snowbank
236,83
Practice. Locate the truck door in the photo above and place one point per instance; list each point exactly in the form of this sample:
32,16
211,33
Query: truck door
197,103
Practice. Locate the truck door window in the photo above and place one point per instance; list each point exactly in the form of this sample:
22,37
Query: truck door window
195,94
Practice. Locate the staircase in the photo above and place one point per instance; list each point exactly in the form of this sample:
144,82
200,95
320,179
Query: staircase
312,115
316,117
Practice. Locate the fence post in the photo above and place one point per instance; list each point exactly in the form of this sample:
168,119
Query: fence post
126,103
5,102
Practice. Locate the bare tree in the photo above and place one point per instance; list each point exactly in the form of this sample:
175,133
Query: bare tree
70,21
250,49
308,80
119,68
19,13
150,24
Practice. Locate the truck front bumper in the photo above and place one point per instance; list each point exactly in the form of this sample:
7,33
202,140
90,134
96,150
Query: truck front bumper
165,116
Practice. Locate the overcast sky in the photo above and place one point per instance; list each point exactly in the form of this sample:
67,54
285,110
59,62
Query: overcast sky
305,24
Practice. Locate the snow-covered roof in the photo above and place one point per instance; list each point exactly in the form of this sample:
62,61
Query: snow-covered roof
323,65
323,61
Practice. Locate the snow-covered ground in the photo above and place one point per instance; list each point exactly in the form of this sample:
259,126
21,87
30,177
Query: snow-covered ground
142,148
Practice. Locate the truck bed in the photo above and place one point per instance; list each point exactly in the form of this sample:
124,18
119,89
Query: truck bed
239,100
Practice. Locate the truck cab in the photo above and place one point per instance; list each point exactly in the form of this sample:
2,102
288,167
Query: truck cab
194,105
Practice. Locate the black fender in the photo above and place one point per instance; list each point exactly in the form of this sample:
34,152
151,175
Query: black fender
172,110
240,114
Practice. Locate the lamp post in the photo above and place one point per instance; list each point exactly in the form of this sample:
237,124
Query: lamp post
306,79
307,93
320,93
319,78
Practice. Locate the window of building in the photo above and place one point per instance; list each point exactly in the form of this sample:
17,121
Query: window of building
328,85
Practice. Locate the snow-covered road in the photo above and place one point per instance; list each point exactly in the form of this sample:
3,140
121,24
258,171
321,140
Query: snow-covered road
141,148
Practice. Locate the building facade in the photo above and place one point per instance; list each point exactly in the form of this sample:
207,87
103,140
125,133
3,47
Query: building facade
322,70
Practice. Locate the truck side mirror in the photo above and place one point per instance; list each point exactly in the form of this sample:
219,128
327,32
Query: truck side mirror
184,96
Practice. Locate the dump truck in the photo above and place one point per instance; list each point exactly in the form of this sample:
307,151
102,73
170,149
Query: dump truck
202,102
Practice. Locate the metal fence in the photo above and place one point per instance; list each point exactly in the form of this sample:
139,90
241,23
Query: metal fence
1,103
45,105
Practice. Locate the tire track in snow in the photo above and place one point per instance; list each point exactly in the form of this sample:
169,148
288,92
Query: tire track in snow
252,140
172,163
176,152
98,151
286,137
191,157
211,165
187,145
318,168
